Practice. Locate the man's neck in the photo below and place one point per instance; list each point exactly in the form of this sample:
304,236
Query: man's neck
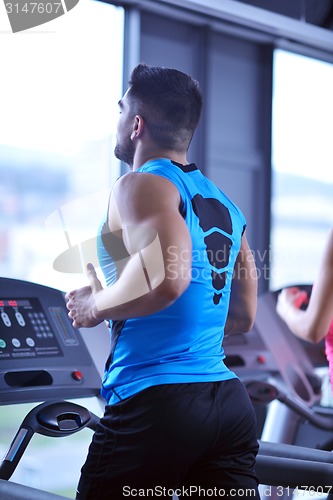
175,156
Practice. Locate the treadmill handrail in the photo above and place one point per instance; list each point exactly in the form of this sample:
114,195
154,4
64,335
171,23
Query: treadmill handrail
320,421
294,473
282,450
264,393
56,419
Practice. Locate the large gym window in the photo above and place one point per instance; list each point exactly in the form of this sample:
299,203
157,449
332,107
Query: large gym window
302,185
58,118
59,93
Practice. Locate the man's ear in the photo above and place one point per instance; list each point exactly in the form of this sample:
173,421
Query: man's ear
138,127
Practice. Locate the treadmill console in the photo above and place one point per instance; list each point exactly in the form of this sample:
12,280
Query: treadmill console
42,356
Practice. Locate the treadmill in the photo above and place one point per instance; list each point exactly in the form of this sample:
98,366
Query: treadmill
44,360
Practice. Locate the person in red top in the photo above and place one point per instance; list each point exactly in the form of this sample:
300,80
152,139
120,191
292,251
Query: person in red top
316,322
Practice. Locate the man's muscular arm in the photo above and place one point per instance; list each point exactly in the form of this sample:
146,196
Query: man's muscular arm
151,225
243,299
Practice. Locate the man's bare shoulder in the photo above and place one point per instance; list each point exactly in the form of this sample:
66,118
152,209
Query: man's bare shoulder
145,189
139,180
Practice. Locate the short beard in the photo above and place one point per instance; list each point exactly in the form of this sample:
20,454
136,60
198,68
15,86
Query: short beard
126,153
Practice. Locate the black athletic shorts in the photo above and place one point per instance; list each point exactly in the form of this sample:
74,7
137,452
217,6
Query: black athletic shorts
193,440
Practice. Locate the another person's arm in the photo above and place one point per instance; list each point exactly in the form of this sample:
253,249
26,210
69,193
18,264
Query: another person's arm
150,280
243,299
313,323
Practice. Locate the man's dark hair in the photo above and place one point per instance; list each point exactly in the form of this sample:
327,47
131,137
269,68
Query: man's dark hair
170,102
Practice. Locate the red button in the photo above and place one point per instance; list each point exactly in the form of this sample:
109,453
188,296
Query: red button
77,375
261,359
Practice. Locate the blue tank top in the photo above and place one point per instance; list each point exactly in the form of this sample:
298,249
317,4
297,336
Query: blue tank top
183,342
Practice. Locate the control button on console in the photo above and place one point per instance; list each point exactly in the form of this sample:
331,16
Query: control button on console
20,319
5,319
77,375
16,342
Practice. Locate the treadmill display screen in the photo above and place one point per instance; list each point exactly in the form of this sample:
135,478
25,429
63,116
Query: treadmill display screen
25,331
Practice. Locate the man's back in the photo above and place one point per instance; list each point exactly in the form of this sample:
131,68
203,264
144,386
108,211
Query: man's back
182,343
